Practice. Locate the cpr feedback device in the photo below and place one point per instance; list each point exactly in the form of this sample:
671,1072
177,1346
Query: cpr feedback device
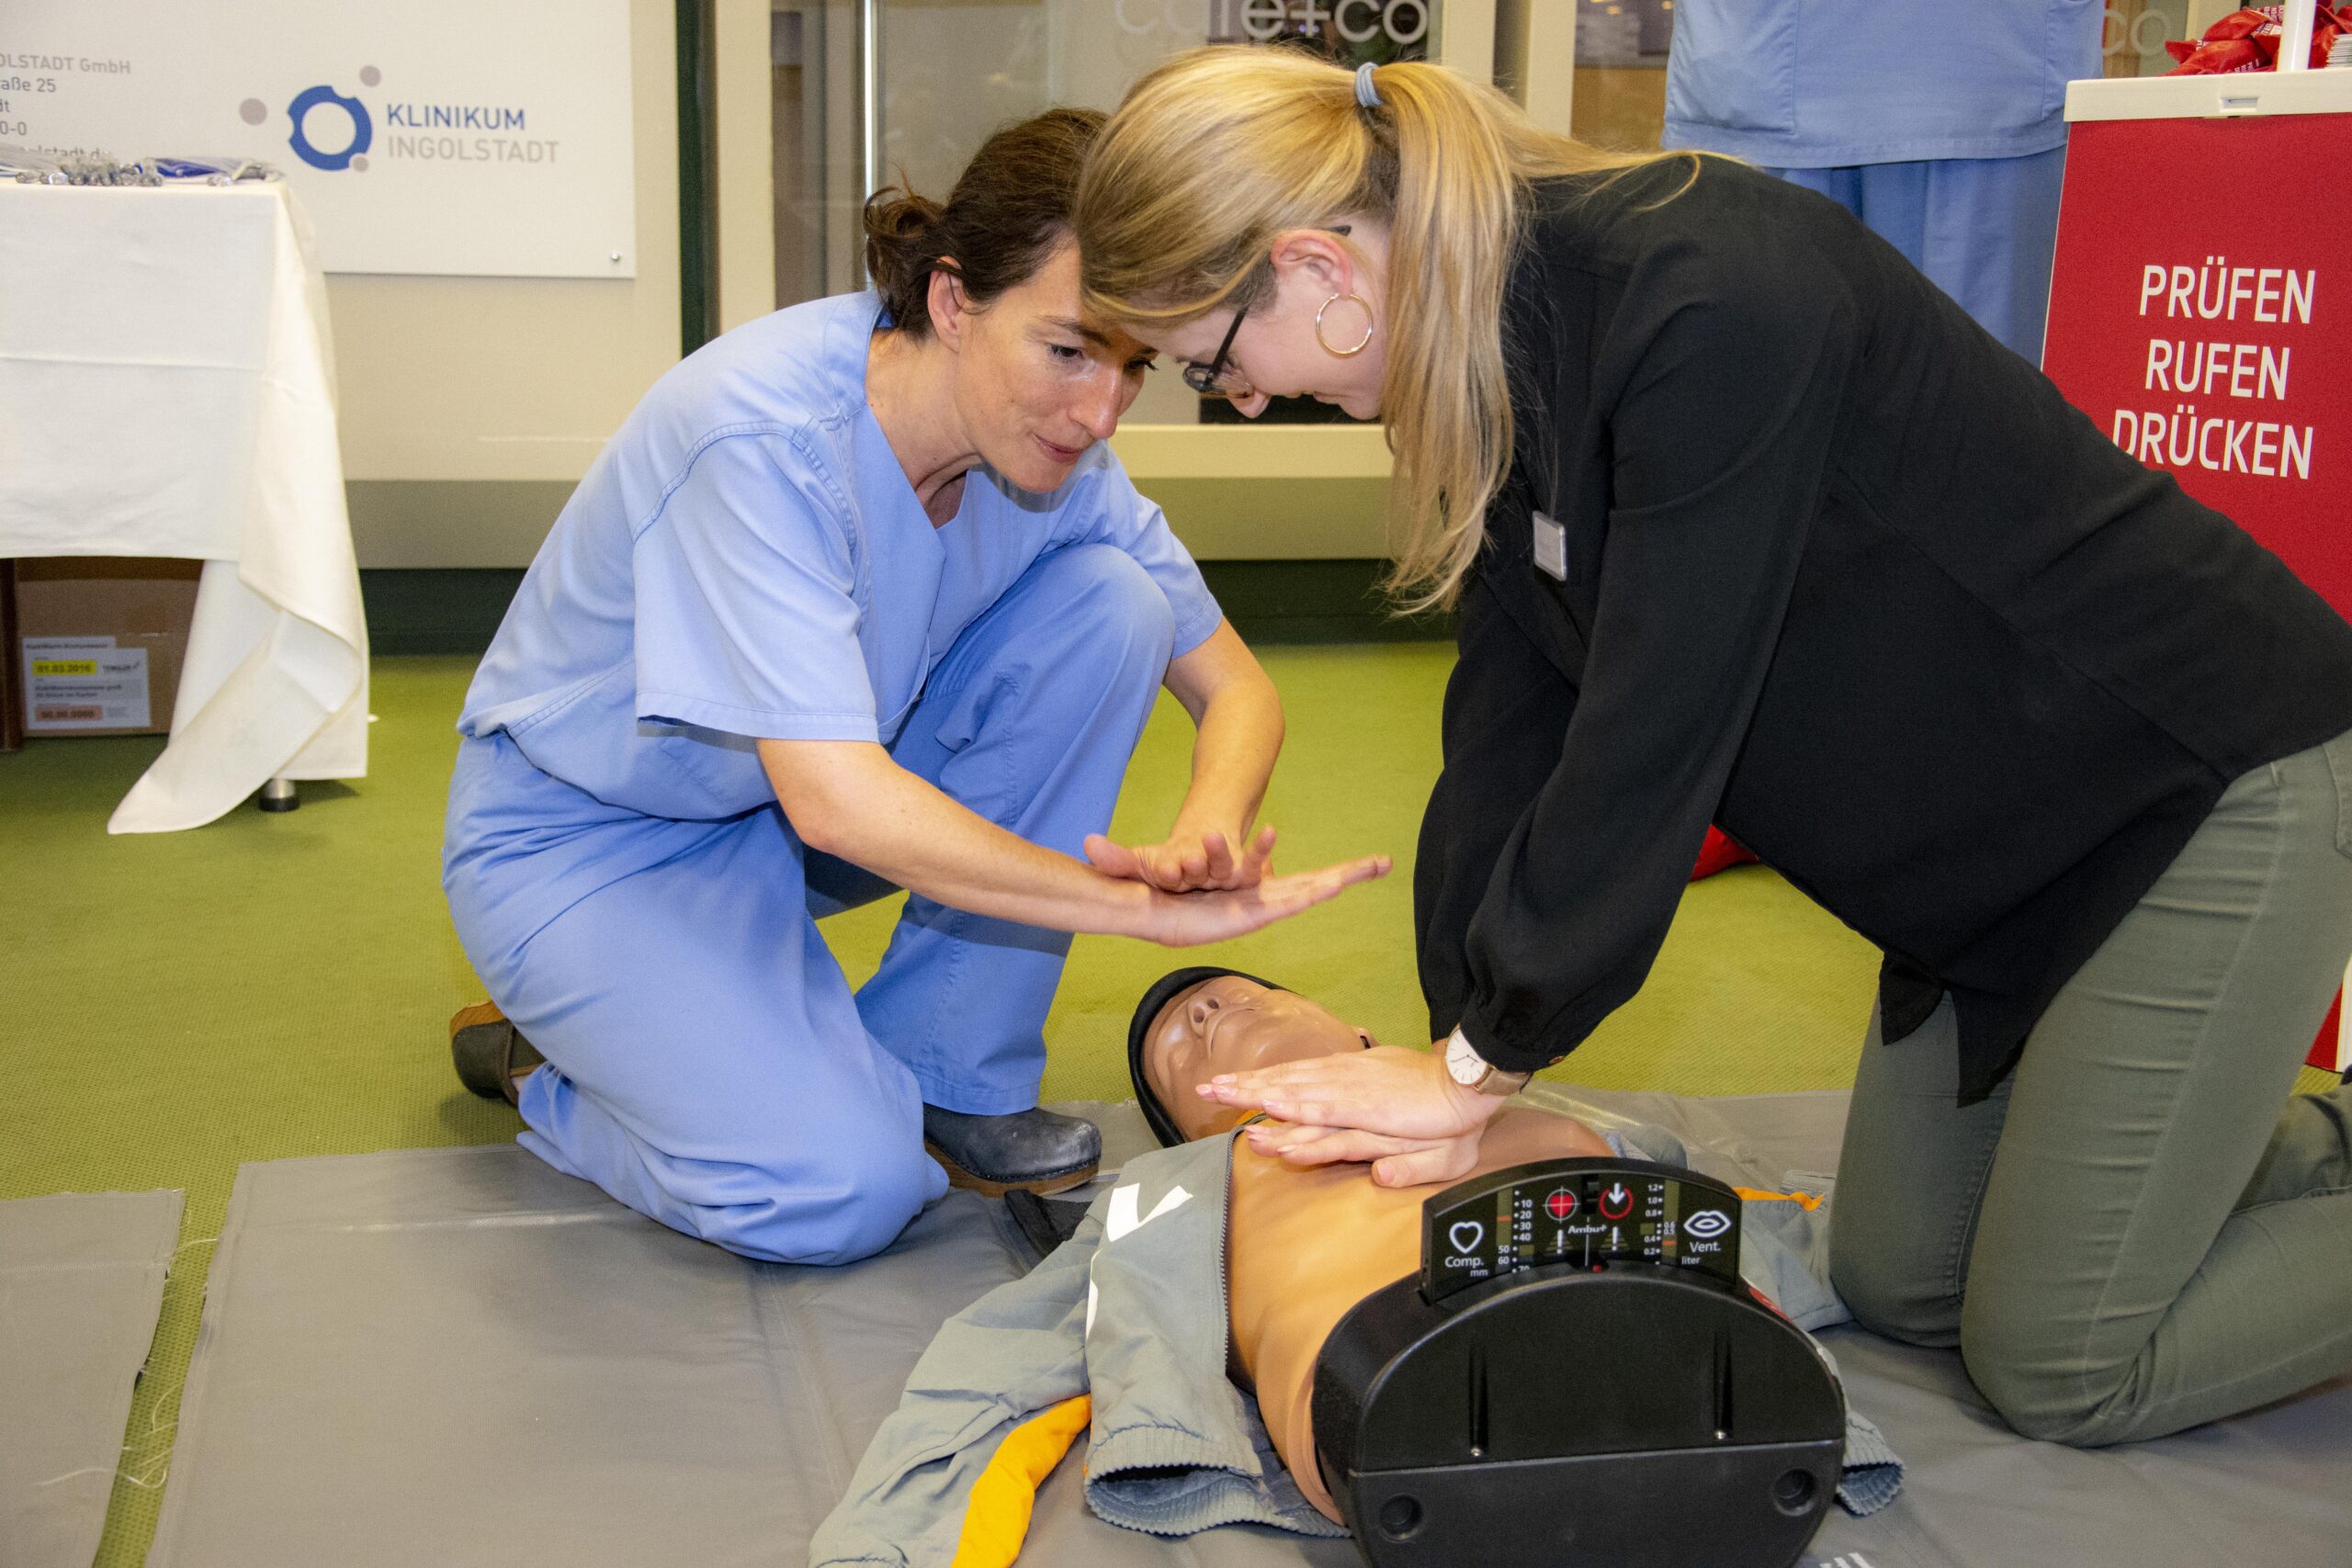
1577,1375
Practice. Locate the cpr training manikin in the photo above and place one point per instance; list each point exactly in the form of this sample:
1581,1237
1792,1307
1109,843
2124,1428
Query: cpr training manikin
1181,1323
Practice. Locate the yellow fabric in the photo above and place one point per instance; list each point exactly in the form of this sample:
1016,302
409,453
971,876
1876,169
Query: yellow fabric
1808,1201
996,1521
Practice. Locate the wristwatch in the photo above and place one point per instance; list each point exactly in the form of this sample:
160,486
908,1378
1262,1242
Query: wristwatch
1466,1068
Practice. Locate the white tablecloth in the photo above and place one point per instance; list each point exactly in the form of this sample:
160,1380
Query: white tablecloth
167,389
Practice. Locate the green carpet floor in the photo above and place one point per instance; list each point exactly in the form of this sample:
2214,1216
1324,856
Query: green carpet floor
269,987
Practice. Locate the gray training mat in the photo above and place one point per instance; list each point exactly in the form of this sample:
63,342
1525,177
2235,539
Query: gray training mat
458,1356
2272,1486
81,1287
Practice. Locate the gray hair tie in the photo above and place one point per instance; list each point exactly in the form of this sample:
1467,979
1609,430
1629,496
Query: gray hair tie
1367,95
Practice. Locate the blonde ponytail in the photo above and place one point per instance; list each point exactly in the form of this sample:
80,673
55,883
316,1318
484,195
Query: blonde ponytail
1219,150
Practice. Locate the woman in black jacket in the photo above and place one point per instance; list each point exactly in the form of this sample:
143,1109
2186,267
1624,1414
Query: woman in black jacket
1747,523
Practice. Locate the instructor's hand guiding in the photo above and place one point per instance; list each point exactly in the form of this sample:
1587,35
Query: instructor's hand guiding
1188,862
1184,919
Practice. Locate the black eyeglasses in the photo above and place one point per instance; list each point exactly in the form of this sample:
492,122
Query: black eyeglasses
1218,379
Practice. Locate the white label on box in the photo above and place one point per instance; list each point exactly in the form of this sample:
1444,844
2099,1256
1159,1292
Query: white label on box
84,683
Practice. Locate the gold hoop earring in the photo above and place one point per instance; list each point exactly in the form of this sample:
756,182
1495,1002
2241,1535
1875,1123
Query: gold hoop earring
1362,343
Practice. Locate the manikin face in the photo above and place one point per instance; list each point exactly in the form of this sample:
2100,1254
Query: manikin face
1036,385
1231,1025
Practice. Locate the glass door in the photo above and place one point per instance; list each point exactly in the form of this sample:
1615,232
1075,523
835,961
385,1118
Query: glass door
865,93
819,160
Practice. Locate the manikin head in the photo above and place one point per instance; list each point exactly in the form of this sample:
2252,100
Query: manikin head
1198,1022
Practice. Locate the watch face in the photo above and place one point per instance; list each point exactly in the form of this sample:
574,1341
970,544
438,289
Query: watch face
1464,1063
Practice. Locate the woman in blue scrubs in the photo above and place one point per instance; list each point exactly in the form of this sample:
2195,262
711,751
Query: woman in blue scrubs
855,599
1941,127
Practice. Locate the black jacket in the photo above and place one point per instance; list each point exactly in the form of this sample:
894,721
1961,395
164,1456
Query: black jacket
1849,578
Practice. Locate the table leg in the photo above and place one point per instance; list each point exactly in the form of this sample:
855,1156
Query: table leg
280,794
12,663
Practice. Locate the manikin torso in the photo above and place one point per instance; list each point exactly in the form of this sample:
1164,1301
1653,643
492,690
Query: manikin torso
1303,1246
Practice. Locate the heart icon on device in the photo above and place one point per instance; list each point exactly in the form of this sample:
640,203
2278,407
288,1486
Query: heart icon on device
1467,1234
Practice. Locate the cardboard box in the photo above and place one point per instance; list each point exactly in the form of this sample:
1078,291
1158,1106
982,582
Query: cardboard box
102,639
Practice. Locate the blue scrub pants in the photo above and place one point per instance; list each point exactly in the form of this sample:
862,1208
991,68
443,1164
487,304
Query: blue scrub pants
1983,230
707,1064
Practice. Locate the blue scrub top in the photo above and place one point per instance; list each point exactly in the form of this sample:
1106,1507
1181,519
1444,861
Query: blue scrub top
746,559
1795,83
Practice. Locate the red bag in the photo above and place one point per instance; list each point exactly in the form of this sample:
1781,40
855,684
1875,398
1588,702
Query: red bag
2249,40
1720,853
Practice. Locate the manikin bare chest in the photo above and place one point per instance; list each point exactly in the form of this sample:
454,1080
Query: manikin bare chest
1303,1246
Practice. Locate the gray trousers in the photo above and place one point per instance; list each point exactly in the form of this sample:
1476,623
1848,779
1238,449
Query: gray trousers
2129,1237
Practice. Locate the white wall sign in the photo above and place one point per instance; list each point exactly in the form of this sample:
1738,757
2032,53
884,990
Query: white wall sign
482,137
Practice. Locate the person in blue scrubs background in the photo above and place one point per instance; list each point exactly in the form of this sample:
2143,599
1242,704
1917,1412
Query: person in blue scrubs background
855,599
1942,126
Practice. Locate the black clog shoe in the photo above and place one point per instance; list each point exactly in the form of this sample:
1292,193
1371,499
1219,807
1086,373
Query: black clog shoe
489,1052
1023,1151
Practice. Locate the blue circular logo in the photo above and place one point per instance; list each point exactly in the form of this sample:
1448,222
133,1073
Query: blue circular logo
363,130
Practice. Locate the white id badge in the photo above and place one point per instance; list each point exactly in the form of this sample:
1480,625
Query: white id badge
1551,547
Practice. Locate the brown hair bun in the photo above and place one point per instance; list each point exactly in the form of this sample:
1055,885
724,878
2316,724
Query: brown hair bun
1012,204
